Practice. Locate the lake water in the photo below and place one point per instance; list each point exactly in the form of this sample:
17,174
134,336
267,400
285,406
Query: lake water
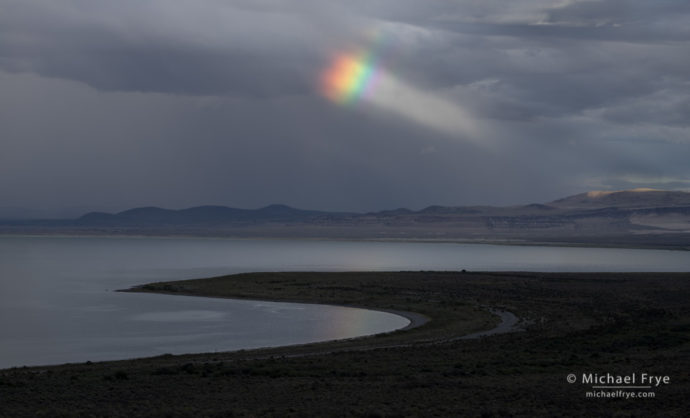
57,299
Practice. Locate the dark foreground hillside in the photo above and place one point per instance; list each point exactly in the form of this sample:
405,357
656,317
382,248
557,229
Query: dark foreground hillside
617,324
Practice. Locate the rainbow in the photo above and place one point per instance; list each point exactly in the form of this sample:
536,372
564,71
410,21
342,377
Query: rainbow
357,76
350,77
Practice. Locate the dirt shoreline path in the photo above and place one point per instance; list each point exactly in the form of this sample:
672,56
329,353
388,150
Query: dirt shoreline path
509,323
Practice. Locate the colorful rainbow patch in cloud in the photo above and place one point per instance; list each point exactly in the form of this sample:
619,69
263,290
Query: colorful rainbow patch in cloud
353,77
350,77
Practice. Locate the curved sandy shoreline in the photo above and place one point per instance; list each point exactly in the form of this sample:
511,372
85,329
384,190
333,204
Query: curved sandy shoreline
416,319
508,322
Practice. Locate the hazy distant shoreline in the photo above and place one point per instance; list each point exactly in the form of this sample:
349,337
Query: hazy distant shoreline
682,243
639,218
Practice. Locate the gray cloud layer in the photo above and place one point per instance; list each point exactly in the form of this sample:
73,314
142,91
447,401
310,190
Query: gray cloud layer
179,102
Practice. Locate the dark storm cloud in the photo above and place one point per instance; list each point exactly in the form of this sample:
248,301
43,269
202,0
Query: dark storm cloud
556,59
643,21
606,20
212,48
181,102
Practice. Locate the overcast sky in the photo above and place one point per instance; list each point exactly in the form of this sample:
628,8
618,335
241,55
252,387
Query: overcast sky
176,103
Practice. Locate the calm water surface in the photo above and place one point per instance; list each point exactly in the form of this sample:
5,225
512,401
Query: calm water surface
57,302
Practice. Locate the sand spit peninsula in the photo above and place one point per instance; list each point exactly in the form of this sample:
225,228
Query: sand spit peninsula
574,325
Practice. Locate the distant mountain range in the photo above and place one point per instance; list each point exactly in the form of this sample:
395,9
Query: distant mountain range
202,215
635,198
638,217
20,213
